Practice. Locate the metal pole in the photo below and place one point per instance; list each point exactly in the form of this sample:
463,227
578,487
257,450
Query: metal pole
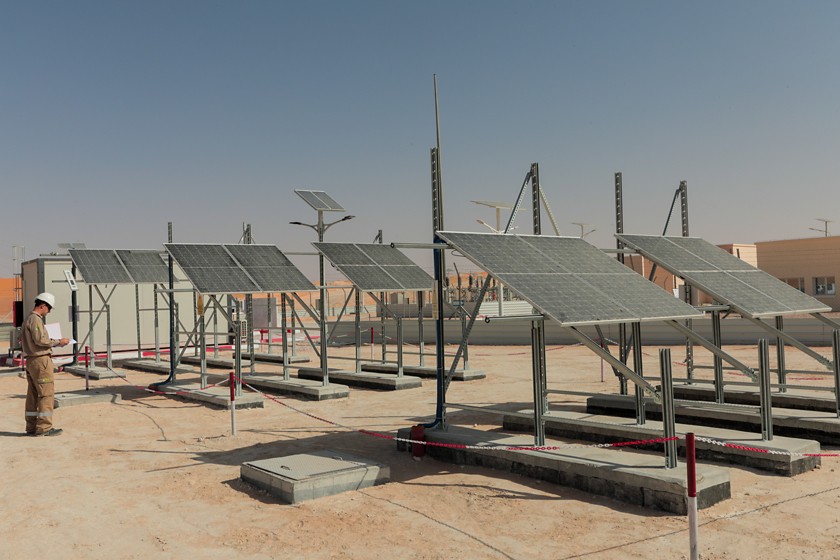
173,343
691,475
92,360
322,303
466,357
764,386
718,362
294,340
780,355
400,343
108,354
157,325
74,304
668,422
638,368
237,348
137,303
232,383
420,304
835,348
619,229
285,338
202,325
357,329
537,367
689,346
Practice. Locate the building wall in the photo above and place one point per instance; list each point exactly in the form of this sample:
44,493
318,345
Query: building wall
801,262
7,298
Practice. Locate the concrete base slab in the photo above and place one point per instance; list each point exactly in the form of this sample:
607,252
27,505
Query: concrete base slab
278,359
369,380
95,372
218,396
74,398
151,366
425,371
773,456
636,478
307,388
789,399
806,424
220,363
296,478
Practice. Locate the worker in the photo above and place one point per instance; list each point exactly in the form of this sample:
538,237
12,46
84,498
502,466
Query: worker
40,369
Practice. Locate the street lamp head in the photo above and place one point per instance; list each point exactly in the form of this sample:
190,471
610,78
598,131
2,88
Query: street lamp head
297,223
348,217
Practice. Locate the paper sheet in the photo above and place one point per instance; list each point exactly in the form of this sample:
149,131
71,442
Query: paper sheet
54,331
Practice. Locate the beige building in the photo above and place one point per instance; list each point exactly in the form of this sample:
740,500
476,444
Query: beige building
810,265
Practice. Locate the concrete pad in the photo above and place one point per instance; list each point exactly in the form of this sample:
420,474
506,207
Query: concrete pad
220,363
95,372
307,388
425,371
218,396
278,359
296,478
151,366
74,398
806,424
773,456
789,399
369,380
632,477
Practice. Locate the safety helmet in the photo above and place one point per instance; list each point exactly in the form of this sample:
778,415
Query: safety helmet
47,298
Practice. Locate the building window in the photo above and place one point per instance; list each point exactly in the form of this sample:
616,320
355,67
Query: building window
824,286
798,283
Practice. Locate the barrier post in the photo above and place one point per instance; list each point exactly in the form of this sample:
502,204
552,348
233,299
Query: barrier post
233,403
87,367
691,470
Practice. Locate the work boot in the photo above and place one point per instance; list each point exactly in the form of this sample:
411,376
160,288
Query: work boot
50,432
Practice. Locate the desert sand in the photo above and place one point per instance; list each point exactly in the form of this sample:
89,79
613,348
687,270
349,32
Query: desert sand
156,476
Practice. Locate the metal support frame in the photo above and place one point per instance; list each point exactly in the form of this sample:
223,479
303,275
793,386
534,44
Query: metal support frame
538,370
694,337
766,406
638,367
668,413
420,304
614,362
689,348
357,328
284,338
792,341
619,229
780,355
717,340
92,320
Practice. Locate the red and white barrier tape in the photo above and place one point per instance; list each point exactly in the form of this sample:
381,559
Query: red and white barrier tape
760,450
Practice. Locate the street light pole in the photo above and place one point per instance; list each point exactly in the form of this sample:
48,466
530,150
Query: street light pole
320,228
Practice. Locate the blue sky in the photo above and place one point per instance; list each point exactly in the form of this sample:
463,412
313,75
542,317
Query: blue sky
117,117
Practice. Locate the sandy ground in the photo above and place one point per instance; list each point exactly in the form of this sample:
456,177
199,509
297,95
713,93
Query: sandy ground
155,476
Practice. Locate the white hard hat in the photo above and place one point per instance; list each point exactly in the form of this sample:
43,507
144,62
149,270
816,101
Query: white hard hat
47,298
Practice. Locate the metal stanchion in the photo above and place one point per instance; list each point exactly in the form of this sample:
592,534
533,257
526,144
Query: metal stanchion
233,403
87,367
691,470
835,347
668,422
766,402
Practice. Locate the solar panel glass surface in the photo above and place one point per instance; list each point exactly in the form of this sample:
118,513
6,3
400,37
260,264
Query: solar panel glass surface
211,269
100,266
145,267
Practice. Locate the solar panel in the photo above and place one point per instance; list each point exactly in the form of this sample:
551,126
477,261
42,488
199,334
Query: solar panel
270,268
319,200
144,267
568,279
100,266
211,269
730,280
374,267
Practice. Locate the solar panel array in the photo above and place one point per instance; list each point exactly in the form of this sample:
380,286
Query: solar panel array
724,276
319,200
376,268
145,267
568,280
100,266
217,269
